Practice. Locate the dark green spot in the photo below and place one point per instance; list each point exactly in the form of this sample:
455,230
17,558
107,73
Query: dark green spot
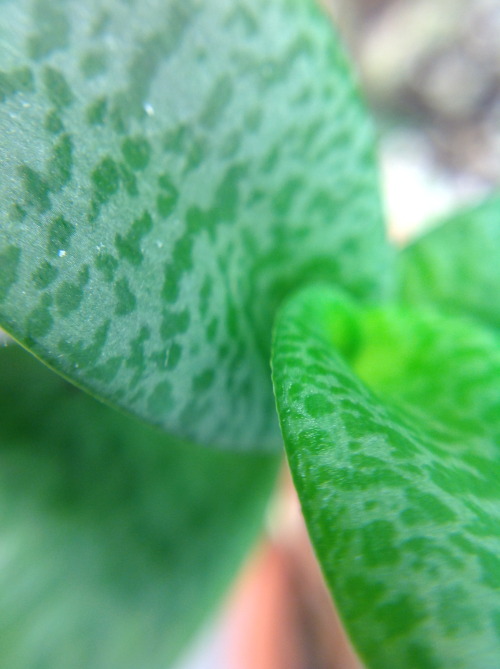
195,154
218,99
128,179
101,23
136,357
154,50
167,199
58,90
174,323
17,213
85,356
175,140
118,116
232,320
106,179
205,293
9,263
160,399
227,194
126,300
379,547
171,284
419,655
40,321
454,614
16,81
165,204
198,219
318,405
129,246
426,507
94,63
44,275
285,196
400,616
61,163
203,381
182,253
490,565
167,358
174,355
107,371
60,233
107,264
360,589
253,119
70,294
53,123
35,187
230,145
270,160
136,151
211,331
242,16
96,112
68,297
52,29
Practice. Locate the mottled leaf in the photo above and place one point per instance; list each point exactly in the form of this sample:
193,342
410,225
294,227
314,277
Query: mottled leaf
169,171
114,543
392,426
455,265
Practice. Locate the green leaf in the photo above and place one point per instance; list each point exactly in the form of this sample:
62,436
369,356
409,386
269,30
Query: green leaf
455,265
170,170
115,543
398,473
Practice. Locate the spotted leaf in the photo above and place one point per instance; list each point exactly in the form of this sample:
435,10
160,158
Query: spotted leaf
169,171
391,421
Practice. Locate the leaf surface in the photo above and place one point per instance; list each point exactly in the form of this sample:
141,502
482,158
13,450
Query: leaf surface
391,421
169,171
455,265
116,543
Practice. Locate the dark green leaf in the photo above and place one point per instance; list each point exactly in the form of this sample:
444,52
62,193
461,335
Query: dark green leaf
169,171
399,477
114,543
455,265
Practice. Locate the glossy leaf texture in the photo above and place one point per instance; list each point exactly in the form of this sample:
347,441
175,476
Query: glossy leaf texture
115,543
169,171
391,421
455,265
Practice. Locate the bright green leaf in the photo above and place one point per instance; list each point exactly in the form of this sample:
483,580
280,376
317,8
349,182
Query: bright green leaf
455,265
392,424
114,543
171,169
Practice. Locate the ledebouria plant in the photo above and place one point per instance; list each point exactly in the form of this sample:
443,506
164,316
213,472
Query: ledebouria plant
188,190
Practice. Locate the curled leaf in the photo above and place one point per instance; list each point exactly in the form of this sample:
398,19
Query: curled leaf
391,420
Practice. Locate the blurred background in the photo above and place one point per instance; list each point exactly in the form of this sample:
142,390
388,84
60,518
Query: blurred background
430,72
